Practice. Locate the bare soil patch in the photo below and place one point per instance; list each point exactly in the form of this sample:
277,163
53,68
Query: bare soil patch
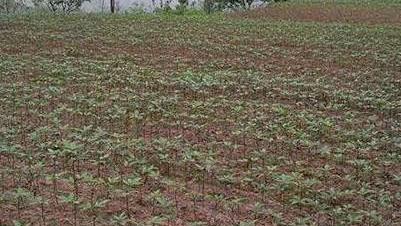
327,13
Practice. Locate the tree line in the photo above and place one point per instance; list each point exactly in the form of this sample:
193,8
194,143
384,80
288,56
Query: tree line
68,6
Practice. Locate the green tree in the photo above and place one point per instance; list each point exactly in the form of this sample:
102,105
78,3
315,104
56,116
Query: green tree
65,6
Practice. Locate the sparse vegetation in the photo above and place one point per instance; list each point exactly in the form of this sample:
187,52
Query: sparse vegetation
198,119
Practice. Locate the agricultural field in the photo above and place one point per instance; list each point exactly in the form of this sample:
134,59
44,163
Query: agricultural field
283,116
